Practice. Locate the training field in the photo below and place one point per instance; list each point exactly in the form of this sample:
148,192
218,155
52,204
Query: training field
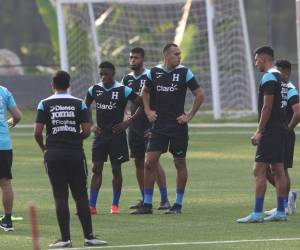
219,190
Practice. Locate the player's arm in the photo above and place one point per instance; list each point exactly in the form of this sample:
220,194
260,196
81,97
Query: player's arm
88,101
84,121
264,118
296,116
151,114
16,116
199,98
39,126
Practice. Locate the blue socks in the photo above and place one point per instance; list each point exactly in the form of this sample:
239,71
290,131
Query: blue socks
93,198
116,198
280,204
163,194
148,194
259,203
179,196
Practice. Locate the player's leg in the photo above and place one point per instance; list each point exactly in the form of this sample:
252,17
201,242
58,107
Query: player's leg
178,148
7,190
99,156
162,184
118,154
59,182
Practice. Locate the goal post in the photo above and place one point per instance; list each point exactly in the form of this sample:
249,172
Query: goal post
212,35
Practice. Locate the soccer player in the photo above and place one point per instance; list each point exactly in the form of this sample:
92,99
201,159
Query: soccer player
138,131
292,119
7,103
269,136
110,136
67,124
165,88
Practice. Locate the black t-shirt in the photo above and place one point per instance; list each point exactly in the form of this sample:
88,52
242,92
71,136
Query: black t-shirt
272,84
110,104
168,91
136,83
62,114
293,98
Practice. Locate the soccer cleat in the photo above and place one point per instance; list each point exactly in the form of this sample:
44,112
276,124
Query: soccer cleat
6,225
277,216
292,202
164,205
252,218
114,209
175,209
93,210
136,206
270,212
94,242
60,244
144,209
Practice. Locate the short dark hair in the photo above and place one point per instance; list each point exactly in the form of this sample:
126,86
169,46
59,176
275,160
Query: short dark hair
138,50
107,65
284,64
61,80
169,45
267,50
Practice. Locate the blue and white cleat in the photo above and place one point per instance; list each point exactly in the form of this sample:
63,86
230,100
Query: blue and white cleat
292,202
252,218
270,212
277,216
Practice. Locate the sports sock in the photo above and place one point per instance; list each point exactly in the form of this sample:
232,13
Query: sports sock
148,195
93,198
163,194
116,198
259,203
280,204
179,196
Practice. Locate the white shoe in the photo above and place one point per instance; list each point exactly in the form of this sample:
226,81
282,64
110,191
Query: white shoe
60,244
94,242
292,202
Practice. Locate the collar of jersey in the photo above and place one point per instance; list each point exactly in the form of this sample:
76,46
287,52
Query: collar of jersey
161,66
61,93
273,70
116,84
140,75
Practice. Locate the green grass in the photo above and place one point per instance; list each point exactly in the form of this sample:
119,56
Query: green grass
219,190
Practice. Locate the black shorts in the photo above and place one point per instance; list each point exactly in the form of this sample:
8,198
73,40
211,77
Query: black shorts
177,145
271,147
68,172
114,146
289,149
6,157
137,144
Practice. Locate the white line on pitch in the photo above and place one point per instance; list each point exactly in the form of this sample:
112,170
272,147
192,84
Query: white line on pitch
183,243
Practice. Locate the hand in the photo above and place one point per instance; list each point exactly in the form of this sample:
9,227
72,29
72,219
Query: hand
151,115
255,139
184,118
11,123
96,130
118,128
147,133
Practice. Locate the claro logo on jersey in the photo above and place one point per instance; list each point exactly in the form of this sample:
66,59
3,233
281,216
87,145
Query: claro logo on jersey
172,88
110,106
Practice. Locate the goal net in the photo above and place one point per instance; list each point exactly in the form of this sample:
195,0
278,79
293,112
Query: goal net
96,30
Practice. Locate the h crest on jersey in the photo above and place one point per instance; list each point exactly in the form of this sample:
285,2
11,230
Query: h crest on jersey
114,95
175,78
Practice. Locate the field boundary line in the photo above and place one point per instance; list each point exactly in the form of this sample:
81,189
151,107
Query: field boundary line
183,243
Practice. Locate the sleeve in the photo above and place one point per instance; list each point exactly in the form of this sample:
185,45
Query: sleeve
268,83
293,96
90,95
83,114
10,100
149,83
129,94
40,117
191,81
